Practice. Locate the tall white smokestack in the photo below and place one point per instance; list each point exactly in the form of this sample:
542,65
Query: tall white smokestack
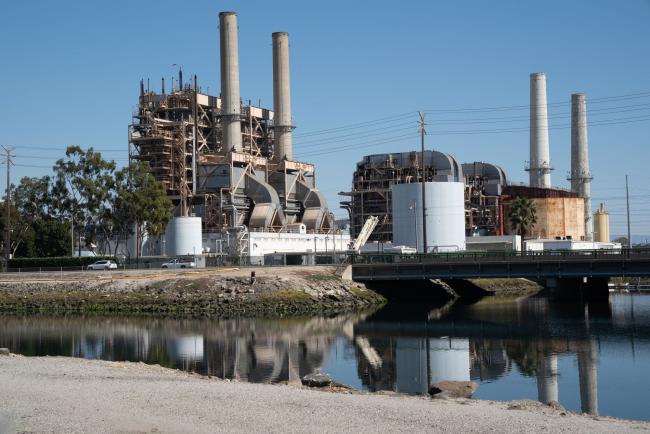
540,160
282,126
580,176
230,98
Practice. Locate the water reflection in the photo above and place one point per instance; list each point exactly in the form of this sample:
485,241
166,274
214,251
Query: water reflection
527,348
251,350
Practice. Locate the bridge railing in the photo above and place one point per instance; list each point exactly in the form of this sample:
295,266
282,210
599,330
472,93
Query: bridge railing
487,256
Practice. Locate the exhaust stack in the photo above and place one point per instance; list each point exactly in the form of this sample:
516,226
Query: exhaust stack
230,97
282,97
580,176
540,160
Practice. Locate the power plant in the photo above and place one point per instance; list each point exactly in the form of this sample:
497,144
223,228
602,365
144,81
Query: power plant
487,194
227,166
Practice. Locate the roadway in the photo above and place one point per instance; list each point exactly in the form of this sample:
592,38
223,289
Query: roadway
532,265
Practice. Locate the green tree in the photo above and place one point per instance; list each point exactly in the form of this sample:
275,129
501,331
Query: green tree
523,215
51,237
19,226
83,184
39,205
33,198
140,202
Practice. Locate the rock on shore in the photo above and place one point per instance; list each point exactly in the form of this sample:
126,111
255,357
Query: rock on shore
274,291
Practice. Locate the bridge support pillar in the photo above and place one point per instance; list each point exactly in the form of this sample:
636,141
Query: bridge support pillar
585,288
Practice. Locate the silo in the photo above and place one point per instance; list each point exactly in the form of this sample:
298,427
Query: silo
184,236
445,215
601,225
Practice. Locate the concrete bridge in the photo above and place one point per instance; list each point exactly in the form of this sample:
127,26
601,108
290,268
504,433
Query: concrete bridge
581,269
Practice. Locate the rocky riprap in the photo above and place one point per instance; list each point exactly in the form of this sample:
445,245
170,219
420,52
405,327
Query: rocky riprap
192,294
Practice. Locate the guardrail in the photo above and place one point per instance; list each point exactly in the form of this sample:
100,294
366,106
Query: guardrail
214,262
512,256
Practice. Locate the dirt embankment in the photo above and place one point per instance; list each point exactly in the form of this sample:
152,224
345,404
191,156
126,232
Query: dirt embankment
219,292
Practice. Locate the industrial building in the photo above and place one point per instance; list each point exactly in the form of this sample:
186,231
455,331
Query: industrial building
560,213
227,166
488,194
374,176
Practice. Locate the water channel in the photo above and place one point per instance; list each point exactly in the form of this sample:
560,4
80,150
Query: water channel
593,358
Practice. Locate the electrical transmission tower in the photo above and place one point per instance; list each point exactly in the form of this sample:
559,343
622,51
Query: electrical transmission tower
8,160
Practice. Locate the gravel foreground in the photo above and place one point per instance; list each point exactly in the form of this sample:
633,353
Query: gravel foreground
65,395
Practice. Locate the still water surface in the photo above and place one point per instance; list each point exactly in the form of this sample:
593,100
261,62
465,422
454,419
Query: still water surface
590,357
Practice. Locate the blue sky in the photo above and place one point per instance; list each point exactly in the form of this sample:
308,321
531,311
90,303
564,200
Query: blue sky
70,73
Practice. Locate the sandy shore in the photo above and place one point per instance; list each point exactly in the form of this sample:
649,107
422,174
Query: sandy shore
80,396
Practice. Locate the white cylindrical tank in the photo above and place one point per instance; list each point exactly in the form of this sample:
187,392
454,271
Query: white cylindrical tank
184,236
445,215
601,225
449,359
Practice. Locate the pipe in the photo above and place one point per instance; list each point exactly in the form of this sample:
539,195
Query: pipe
230,103
540,160
282,97
580,176
163,86
180,79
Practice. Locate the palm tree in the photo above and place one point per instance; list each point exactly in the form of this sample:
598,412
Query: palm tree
523,215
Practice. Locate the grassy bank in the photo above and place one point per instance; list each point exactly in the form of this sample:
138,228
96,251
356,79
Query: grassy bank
505,286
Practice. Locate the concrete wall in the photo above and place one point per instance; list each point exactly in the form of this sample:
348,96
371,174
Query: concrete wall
262,243
491,243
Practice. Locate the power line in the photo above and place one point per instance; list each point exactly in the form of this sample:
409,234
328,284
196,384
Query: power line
49,148
378,132
8,160
39,157
406,115
358,146
471,132
356,125
470,121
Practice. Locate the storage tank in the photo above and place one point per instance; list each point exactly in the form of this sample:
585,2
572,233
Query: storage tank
184,236
601,225
445,215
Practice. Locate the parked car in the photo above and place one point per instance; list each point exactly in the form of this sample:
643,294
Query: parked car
179,263
103,265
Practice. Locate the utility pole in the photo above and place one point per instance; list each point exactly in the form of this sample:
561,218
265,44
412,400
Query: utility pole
627,200
8,160
423,131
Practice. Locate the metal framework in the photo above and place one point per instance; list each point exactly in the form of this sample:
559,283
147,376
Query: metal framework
180,135
371,181
175,132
